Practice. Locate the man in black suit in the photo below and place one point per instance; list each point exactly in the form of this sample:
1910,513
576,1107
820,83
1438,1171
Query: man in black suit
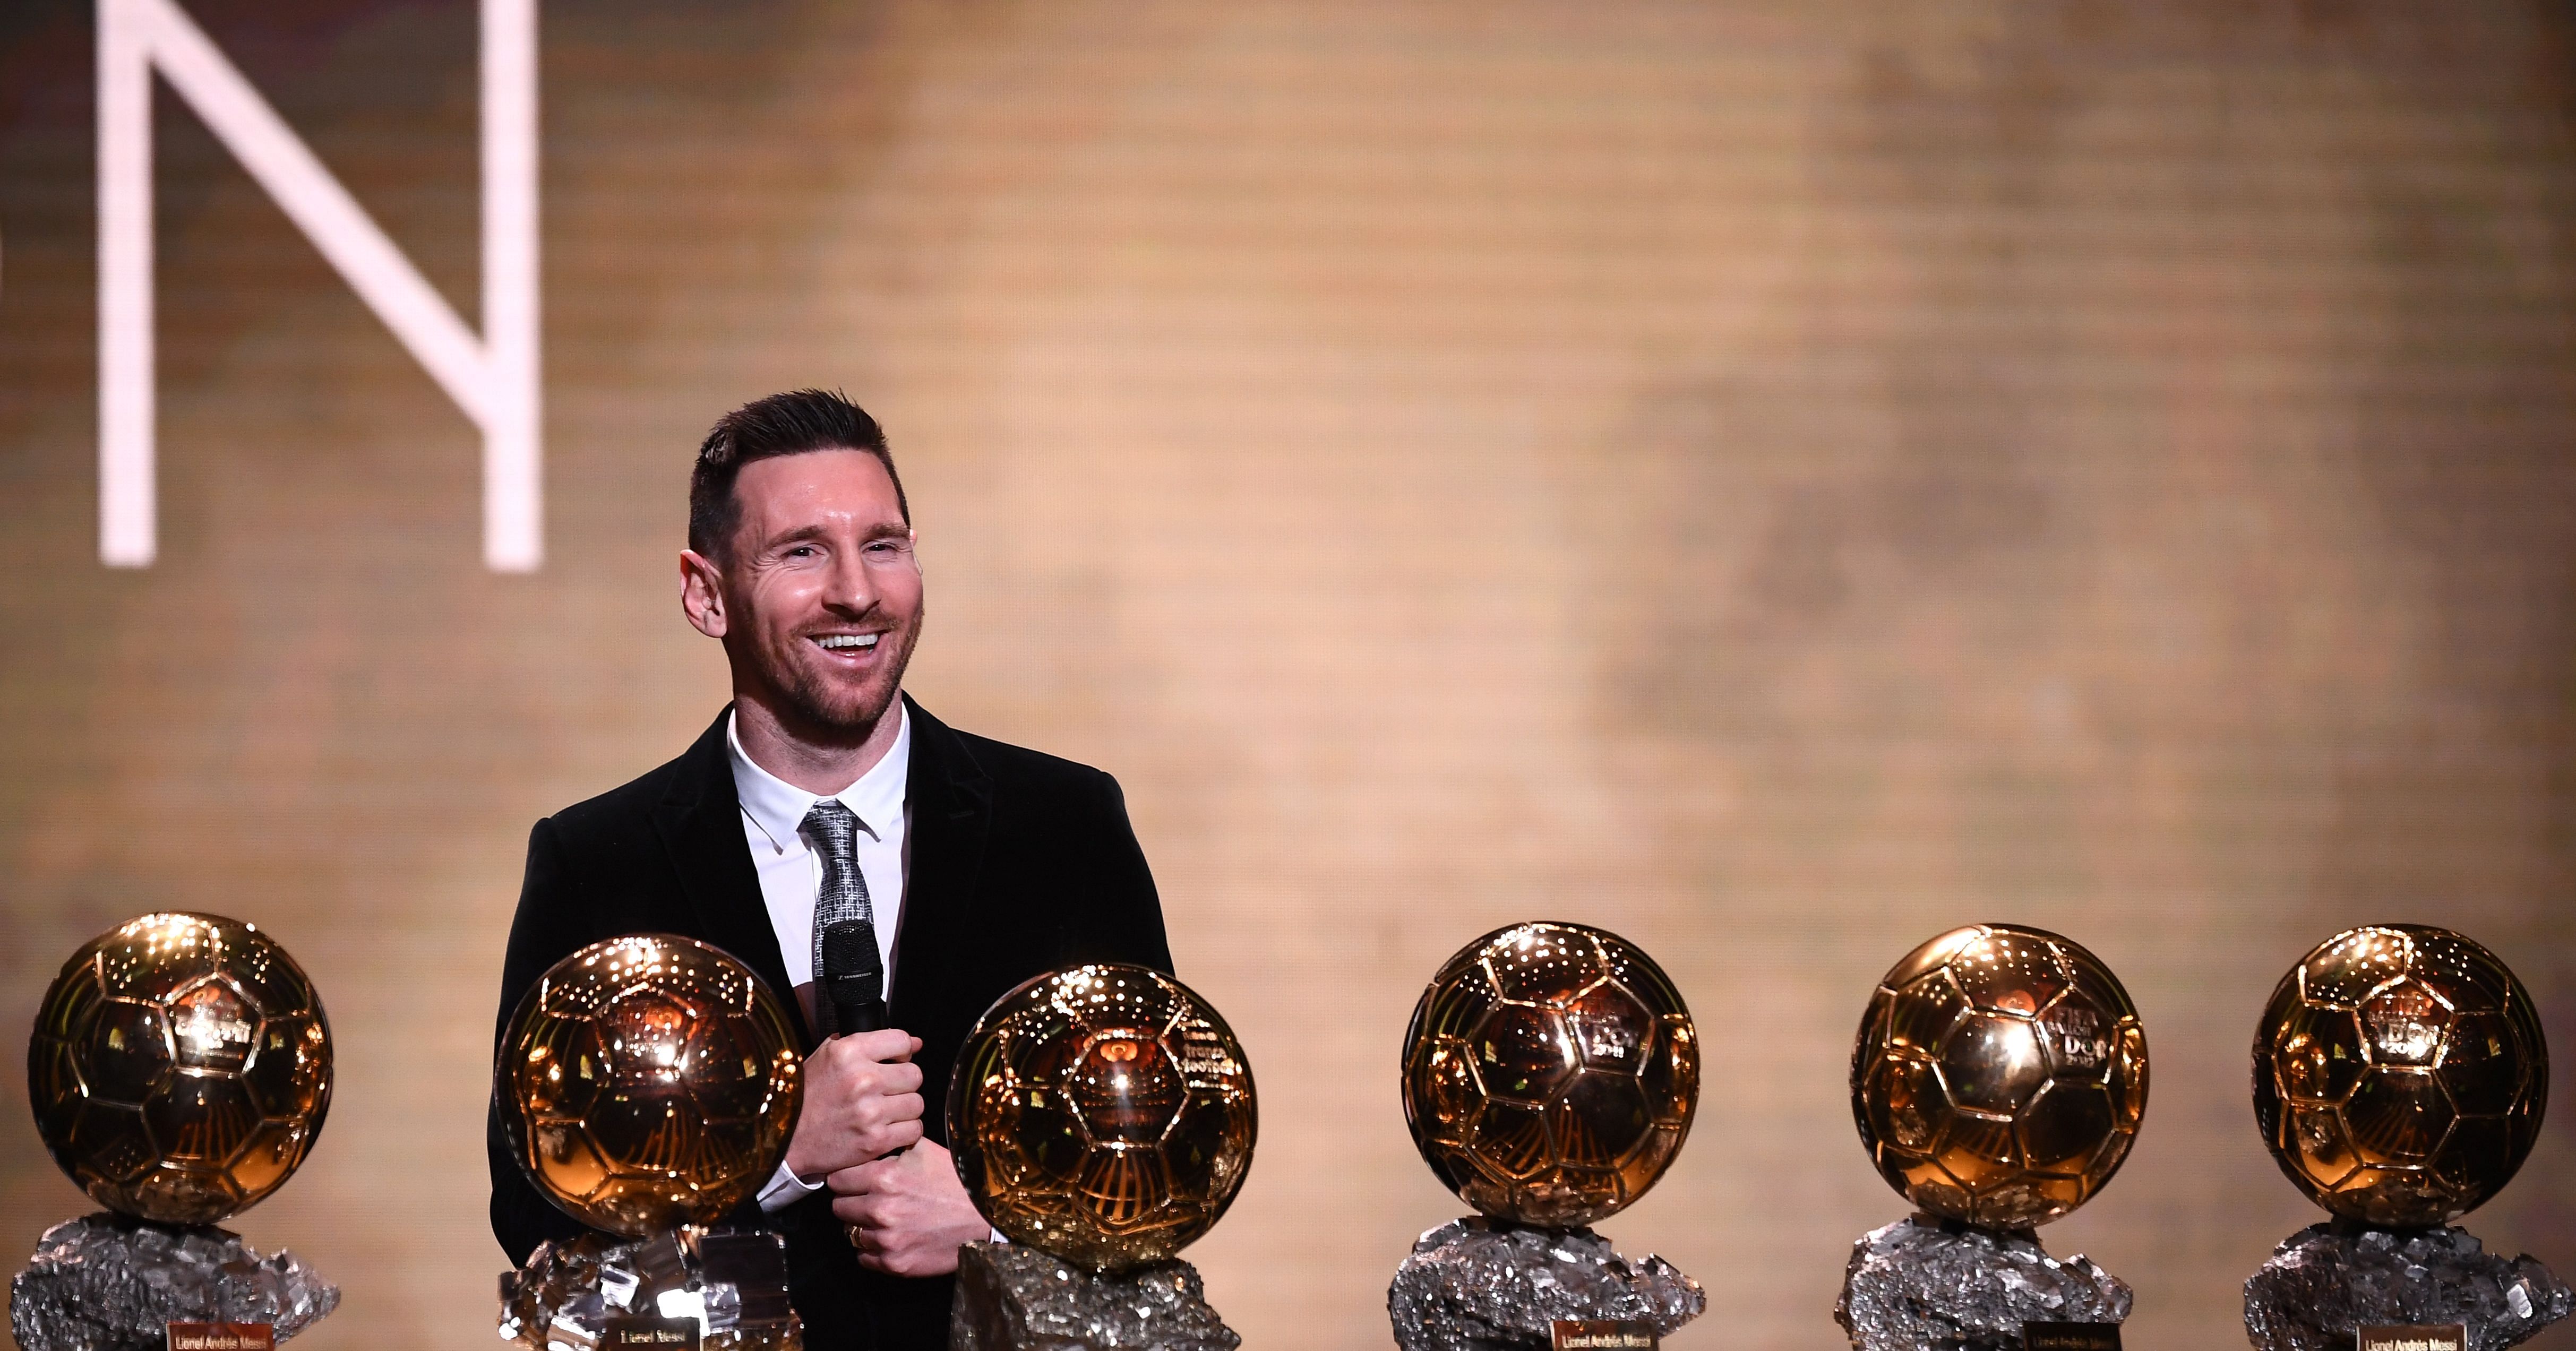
823,794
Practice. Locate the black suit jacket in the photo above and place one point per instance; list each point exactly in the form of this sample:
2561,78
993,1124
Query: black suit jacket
1019,864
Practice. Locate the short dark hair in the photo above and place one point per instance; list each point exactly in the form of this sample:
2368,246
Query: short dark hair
793,423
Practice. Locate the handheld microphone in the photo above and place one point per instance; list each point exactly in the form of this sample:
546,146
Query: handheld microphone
853,977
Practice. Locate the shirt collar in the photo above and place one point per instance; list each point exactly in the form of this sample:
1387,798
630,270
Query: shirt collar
779,807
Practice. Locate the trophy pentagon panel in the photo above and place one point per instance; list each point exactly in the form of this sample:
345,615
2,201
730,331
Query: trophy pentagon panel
1550,1073
1999,1076
646,1082
1103,1114
180,1067
2399,1075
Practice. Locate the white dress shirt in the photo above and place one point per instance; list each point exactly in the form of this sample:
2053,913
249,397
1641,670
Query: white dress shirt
791,872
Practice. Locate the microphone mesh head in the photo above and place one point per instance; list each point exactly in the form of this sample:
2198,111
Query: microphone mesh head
849,948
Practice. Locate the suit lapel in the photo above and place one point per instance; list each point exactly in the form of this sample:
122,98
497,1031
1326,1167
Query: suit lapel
951,801
700,823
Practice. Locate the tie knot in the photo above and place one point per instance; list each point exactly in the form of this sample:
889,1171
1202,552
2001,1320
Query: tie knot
832,824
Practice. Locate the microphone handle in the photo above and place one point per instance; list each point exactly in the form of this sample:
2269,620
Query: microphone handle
854,1012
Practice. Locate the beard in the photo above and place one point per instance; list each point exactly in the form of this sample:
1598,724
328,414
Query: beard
832,709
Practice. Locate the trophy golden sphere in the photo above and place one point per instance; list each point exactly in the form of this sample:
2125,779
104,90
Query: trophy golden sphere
1103,1114
647,1082
1550,1073
1999,1076
2400,1075
181,1067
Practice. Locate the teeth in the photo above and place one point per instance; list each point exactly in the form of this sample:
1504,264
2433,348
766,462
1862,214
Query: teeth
845,640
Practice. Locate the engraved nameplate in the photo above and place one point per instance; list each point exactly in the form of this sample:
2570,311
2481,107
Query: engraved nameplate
2070,1337
220,1336
648,1334
2420,1337
1602,1334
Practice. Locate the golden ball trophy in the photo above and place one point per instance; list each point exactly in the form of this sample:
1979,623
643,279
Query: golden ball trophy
1998,1080
1550,1073
1102,1118
2399,1079
647,1086
180,1070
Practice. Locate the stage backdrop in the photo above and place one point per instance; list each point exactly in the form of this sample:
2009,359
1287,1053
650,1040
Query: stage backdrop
1776,480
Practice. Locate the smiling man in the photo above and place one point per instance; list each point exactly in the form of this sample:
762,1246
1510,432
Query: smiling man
822,796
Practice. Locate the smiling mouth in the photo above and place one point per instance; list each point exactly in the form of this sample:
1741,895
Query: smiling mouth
844,642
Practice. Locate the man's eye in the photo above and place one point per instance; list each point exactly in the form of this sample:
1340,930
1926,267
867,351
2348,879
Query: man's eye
801,551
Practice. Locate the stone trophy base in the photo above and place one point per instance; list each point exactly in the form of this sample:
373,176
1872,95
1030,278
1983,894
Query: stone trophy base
731,1283
2328,1279
1481,1285
1014,1298
1923,1284
109,1283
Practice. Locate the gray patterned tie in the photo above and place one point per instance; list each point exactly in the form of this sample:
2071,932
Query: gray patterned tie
834,829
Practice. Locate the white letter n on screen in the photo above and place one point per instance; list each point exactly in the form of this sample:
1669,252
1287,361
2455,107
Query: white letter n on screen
493,378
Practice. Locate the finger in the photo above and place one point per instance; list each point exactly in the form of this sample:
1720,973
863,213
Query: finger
885,1110
865,1219
838,1057
884,1044
900,1077
904,1261
882,1215
890,1137
863,1179
840,1078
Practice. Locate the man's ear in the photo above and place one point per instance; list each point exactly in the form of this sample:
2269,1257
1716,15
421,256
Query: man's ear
702,593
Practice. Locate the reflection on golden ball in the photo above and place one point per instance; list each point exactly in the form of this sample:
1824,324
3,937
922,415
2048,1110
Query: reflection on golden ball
1550,1073
648,1082
181,1067
1103,1114
1999,1076
2400,1075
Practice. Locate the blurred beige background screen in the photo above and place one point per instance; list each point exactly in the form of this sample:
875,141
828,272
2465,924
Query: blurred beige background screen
1772,480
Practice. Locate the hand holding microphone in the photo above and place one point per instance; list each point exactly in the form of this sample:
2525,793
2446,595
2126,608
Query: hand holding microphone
853,980
902,1206
862,1096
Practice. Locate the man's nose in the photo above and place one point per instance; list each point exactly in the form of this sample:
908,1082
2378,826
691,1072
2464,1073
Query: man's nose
849,588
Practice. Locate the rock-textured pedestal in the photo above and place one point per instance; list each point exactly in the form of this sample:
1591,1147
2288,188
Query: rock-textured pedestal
1922,1284
1479,1285
2327,1279
1014,1298
108,1283
732,1282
